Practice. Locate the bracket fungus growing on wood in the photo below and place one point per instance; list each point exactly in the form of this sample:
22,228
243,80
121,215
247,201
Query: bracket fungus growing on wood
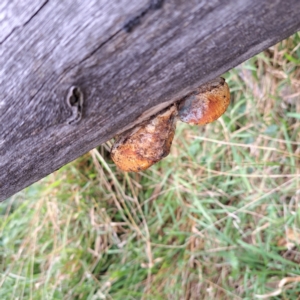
206,104
146,144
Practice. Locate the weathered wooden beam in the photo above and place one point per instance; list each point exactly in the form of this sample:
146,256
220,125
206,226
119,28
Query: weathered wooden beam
115,60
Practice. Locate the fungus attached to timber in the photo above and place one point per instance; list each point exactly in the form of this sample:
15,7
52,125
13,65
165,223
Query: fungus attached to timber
141,147
206,104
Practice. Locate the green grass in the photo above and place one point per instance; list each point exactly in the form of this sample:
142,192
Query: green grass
218,218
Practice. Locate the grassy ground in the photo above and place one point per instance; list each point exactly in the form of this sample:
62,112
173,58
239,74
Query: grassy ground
219,218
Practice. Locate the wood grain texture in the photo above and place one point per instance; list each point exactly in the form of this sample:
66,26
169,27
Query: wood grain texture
124,73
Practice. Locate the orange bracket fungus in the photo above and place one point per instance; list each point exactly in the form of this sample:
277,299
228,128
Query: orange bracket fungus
146,144
206,104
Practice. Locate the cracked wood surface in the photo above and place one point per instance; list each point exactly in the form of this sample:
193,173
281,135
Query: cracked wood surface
128,60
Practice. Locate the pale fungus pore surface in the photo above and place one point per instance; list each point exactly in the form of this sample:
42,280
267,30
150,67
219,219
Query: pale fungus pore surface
205,104
142,146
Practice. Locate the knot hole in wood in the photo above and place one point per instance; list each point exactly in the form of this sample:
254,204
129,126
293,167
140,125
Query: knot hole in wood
75,102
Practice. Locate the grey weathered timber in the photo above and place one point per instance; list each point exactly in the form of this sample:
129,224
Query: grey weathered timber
75,73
